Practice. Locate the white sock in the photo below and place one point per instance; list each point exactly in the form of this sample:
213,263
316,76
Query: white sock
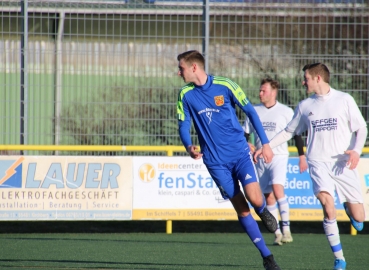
333,236
284,210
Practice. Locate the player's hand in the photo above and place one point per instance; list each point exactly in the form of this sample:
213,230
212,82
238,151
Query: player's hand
194,152
302,163
267,153
353,160
258,154
252,148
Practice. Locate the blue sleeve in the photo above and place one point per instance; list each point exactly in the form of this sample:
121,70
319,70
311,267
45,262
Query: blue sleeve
184,128
239,97
255,121
184,122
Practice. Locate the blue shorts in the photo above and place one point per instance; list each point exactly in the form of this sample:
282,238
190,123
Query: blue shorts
226,176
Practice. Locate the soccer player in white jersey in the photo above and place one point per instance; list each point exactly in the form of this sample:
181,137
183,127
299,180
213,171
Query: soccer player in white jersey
274,117
336,135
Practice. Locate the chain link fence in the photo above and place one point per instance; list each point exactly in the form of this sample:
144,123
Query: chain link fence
105,72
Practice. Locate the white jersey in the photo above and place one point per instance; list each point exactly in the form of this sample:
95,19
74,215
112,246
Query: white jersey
331,121
274,120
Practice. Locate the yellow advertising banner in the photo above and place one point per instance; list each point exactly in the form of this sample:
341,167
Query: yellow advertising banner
225,214
180,188
65,188
138,188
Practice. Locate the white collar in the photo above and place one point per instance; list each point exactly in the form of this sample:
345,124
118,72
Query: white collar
325,96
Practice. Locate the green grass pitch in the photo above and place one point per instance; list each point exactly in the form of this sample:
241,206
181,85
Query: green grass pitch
198,251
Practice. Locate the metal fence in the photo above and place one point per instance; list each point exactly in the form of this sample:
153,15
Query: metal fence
105,72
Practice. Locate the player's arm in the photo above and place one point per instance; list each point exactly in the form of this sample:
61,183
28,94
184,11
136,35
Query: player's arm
295,126
239,97
256,123
258,128
358,125
281,137
184,128
299,143
361,135
354,155
286,134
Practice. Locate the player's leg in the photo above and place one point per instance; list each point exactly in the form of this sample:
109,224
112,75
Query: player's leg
251,228
278,171
356,213
244,170
263,172
230,189
249,224
284,211
331,228
273,209
323,187
348,187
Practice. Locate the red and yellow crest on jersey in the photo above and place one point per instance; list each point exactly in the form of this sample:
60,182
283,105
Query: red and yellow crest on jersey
219,100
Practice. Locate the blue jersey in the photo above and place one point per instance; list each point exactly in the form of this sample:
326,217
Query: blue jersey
212,108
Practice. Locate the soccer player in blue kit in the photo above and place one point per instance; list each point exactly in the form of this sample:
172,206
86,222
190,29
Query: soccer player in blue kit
209,101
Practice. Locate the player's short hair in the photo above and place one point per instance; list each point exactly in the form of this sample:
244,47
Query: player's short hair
192,57
273,83
318,69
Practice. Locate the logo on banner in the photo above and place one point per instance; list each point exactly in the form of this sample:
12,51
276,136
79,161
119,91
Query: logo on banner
146,172
11,173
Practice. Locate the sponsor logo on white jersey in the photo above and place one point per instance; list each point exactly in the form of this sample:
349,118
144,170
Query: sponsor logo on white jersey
327,124
269,126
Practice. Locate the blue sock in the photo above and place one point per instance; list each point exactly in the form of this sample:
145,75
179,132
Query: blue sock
250,226
260,209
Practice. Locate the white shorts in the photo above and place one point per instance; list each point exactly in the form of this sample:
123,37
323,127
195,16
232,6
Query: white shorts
335,176
272,173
